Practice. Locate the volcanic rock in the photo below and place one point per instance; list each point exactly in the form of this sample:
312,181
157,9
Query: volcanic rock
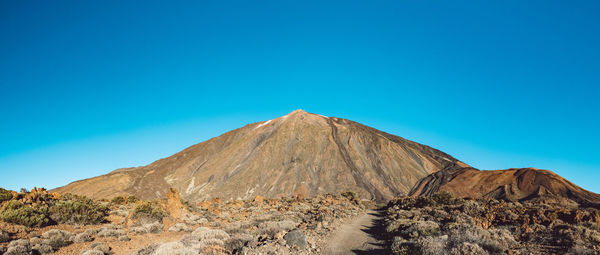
300,154
516,184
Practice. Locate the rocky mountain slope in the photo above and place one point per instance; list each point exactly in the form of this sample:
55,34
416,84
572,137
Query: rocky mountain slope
517,184
442,224
298,154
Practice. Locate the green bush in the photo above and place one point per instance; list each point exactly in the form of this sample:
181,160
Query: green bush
118,200
18,213
350,195
441,198
421,202
132,199
78,210
5,195
446,198
146,209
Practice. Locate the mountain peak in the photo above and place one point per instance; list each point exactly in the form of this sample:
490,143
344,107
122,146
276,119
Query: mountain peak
300,112
300,153
302,116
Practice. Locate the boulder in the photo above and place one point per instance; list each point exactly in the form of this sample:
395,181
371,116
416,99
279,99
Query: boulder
296,238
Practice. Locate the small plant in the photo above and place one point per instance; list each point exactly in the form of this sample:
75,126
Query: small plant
5,195
441,198
350,195
446,198
421,202
146,209
18,213
132,199
79,210
119,200
237,242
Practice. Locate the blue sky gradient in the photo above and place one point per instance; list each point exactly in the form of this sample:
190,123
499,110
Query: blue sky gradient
87,87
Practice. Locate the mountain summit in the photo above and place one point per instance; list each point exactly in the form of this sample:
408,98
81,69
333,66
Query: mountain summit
297,154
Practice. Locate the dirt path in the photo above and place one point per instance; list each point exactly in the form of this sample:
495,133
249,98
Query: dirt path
358,236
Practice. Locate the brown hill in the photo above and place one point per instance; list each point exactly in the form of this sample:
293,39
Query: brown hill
297,154
512,184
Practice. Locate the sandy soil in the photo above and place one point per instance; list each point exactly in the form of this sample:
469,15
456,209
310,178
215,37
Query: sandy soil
357,236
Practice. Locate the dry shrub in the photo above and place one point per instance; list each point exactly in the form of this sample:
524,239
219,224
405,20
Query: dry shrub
78,210
5,195
119,200
18,213
237,242
146,209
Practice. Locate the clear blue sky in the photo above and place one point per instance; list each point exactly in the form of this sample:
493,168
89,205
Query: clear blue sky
90,86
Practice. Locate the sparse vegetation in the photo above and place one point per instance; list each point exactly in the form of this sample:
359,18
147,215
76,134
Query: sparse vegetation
119,200
446,198
5,195
350,195
147,209
18,213
78,210
261,227
132,199
442,224
39,208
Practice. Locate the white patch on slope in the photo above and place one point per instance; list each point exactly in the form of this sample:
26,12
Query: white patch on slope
262,124
170,179
191,186
234,169
249,192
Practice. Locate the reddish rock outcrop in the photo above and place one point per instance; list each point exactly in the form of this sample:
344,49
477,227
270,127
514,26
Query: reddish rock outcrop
520,184
174,205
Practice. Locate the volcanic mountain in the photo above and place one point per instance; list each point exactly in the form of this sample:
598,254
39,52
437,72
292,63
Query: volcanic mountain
297,154
516,184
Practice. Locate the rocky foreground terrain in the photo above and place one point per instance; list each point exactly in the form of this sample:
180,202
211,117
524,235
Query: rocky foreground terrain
39,222
128,226
442,224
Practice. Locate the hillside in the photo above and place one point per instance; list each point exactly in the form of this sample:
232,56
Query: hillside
297,154
517,184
